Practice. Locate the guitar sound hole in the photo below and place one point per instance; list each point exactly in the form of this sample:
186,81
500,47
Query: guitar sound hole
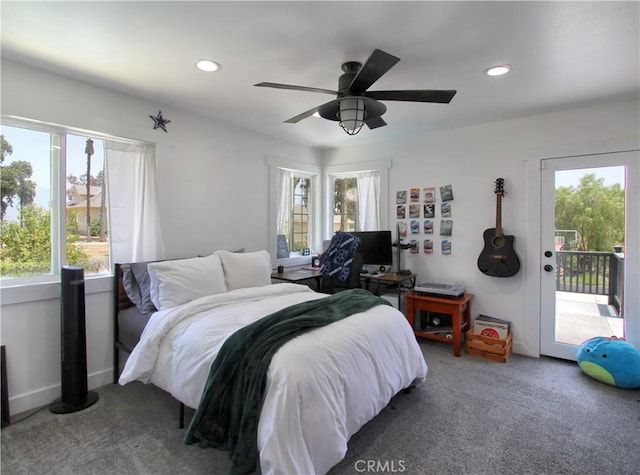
498,242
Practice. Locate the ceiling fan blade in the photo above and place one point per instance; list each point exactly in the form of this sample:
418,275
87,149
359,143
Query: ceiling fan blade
375,123
426,95
295,88
378,63
306,114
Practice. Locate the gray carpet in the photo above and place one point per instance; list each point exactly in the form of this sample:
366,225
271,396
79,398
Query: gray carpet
472,416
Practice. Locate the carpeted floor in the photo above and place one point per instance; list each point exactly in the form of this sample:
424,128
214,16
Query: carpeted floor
472,416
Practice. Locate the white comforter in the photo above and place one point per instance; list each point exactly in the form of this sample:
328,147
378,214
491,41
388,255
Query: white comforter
322,386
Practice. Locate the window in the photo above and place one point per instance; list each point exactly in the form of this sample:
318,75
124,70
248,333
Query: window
356,201
295,206
56,205
345,204
294,217
43,228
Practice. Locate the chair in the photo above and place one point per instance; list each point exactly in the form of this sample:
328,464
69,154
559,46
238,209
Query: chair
345,248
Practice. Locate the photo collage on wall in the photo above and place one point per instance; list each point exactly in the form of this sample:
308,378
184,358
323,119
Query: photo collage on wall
424,222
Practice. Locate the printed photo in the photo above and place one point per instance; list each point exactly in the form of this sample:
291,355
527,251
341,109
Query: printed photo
415,227
446,246
415,194
427,246
446,227
415,246
414,211
429,194
429,210
400,212
401,197
446,193
445,210
402,227
428,226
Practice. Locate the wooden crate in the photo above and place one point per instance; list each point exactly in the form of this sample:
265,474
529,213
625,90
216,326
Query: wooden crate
489,348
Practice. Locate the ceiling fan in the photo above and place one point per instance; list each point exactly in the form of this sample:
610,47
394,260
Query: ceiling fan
354,105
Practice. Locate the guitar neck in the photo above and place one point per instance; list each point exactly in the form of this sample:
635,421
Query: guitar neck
499,216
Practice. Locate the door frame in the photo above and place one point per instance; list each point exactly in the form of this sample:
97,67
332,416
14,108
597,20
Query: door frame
533,248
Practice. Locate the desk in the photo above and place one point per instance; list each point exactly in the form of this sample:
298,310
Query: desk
459,309
298,276
397,279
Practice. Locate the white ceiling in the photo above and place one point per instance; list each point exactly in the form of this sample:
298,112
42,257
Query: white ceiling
564,55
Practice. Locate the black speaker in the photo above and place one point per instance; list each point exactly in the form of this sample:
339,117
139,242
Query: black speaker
73,347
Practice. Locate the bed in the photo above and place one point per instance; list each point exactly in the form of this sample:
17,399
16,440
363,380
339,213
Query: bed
320,387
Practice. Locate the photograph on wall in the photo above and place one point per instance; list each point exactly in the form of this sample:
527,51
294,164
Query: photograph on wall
428,226
414,194
427,246
401,197
445,209
415,246
400,212
429,210
402,229
415,227
446,193
446,246
429,194
414,211
446,227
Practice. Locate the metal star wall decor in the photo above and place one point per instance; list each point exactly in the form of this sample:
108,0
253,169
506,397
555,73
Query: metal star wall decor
159,121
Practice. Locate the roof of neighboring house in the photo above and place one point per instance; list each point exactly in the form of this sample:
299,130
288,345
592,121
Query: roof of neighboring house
95,202
80,189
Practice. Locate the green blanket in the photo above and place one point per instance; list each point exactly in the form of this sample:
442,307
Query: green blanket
227,416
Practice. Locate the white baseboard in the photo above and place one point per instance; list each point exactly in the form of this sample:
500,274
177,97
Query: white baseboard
45,396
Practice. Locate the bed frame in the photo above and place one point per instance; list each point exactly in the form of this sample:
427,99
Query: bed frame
121,302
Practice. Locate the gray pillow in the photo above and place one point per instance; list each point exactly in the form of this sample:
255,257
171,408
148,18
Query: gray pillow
131,285
141,275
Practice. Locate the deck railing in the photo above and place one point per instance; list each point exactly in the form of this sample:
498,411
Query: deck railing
590,272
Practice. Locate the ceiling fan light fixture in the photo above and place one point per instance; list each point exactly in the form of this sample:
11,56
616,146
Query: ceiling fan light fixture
207,65
498,70
351,114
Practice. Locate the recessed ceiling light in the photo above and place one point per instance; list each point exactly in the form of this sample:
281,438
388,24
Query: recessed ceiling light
207,65
498,70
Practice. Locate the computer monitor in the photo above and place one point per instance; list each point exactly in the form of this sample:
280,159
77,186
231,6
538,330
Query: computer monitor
375,247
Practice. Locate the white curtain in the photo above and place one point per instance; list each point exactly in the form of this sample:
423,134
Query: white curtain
368,200
132,189
284,190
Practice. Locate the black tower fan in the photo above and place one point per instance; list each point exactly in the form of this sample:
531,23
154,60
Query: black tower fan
75,396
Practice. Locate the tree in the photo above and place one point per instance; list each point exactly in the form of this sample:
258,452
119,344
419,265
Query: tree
89,151
595,211
15,183
344,202
26,248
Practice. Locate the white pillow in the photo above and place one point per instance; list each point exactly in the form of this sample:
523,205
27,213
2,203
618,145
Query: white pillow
176,282
249,269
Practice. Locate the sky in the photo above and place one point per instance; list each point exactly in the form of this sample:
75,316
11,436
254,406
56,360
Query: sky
611,176
34,146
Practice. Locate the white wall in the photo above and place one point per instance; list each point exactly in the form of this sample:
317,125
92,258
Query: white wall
213,181
213,188
470,159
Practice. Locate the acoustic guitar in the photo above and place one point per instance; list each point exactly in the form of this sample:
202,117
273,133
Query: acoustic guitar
498,258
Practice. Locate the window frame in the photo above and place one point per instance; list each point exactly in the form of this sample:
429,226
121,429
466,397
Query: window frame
331,209
58,201
351,169
302,169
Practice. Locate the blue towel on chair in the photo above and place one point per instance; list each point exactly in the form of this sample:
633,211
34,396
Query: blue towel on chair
339,256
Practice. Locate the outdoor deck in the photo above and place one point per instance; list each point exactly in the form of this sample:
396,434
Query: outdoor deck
582,316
